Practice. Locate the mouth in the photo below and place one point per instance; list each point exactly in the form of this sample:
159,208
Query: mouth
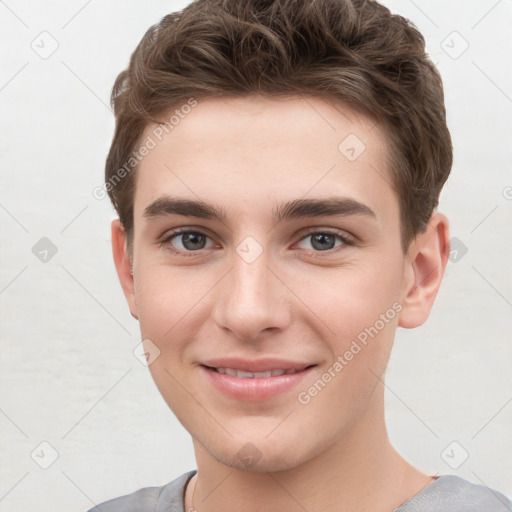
242,374
254,386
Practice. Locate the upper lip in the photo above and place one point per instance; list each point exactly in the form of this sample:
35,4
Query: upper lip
256,365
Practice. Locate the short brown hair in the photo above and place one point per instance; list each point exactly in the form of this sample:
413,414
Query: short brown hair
354,51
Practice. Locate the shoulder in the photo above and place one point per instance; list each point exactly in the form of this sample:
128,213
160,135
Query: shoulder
451,493
149,499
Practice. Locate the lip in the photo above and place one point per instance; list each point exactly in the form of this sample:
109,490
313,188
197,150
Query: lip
254,389
256,365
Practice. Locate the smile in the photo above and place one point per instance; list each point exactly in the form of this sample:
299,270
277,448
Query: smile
254,386
258,375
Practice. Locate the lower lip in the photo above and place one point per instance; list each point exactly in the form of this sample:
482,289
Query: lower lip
254,389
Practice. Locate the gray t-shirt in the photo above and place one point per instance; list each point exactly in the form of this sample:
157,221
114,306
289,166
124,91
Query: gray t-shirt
448,493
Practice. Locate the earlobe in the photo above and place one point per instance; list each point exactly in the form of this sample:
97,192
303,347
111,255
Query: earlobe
425,266
123,265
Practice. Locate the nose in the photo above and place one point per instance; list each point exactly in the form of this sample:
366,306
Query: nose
252,300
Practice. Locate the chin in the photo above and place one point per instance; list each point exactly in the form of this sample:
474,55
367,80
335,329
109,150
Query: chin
263,461
257,454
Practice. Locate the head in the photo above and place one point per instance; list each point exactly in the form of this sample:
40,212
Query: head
303,146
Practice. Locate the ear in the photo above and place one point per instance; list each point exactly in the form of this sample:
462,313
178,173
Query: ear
423,272
123,264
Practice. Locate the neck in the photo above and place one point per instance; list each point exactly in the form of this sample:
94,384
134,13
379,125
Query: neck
361,471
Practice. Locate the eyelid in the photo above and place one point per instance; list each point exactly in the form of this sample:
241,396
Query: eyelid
342,235
171,233
174,233
345,238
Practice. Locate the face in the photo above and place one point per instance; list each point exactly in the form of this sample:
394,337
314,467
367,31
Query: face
267,237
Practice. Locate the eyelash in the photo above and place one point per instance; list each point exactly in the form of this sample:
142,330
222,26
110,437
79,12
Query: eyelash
180,231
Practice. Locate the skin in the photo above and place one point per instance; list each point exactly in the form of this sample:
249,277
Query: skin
248,155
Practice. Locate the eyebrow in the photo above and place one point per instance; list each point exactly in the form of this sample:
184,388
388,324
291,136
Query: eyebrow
296,209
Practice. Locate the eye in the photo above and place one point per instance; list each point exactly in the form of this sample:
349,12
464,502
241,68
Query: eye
185,241
325,240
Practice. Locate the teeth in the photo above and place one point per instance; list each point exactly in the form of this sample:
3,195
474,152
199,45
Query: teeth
247,375
268,373
244,375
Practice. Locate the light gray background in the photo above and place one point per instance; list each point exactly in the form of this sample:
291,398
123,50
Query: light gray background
68,373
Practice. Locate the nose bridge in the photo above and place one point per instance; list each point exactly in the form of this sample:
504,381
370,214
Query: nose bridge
251,281
252,297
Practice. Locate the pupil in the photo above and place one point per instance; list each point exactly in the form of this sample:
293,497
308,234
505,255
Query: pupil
190,240
322,240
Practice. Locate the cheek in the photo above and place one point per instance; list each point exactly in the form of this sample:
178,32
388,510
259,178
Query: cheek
167,300
359,316
352,300
155,297
166,295
173,305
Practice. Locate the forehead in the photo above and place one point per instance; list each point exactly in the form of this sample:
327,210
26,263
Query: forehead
249,153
